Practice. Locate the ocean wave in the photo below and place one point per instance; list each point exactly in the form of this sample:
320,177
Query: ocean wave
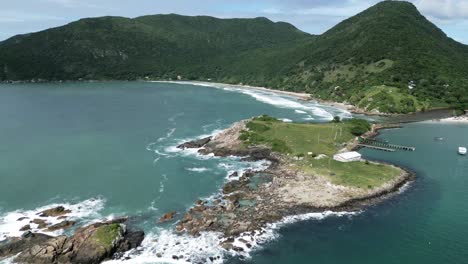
324,112
201,169
286,120
163,246
270,232
85,210
300,111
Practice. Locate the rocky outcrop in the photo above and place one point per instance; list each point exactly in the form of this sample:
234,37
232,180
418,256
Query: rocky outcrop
54,212
167,217
195,144
62,225
89,245
249,202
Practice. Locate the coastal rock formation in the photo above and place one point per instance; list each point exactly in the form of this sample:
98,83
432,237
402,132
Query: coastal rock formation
195,144
89,245
167,217
257,198
57,211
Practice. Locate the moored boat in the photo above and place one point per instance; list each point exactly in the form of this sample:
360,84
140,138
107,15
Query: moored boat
462,151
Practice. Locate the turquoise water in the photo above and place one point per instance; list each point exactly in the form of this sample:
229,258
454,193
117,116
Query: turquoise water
107,149
425,224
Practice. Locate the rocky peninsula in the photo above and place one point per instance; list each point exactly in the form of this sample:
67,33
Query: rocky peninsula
301,177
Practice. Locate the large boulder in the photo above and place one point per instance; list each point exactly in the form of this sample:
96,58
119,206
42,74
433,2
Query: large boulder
56,211
89,245
62,225
167,217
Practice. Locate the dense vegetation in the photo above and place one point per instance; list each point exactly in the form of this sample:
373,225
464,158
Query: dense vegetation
388,58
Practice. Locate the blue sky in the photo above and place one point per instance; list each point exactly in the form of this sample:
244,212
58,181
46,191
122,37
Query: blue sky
313,16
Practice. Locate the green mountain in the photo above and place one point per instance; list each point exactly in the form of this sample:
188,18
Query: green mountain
388,58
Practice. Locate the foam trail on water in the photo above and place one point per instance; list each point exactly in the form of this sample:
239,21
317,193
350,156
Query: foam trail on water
300,111
85,210
202,169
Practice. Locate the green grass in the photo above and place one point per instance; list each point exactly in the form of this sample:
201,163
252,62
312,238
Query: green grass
297,139
300,139
353,174
106,234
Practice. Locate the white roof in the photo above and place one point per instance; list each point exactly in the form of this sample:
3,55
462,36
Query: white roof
349,155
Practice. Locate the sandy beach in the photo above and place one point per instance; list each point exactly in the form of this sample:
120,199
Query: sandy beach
300,96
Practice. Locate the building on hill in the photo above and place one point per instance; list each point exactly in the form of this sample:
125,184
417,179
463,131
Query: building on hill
347,156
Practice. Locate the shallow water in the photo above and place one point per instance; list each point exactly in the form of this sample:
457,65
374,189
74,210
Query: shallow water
109,150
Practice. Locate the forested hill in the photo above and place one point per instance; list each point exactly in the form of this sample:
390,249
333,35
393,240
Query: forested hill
389,58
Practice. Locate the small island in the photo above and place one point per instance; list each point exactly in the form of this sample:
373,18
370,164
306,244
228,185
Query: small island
301,177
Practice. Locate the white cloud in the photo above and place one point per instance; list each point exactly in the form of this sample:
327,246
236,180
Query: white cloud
12,16
444,9
72,3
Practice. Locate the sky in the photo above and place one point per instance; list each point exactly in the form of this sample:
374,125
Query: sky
313,16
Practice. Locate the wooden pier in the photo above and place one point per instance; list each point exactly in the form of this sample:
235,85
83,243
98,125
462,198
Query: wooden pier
376,147
380,145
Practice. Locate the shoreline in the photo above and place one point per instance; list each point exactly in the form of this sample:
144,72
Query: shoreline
301,96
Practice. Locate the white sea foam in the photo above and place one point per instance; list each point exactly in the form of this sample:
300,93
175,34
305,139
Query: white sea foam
161,246
8,260
300,111
235,165
286,120
168,135
270,232
202,169
85,210
323,112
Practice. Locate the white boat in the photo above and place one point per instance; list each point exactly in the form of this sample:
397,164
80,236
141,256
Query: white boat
462,151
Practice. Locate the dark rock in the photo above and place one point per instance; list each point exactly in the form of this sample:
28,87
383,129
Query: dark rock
167,217
16,245
41,223
231,186
234,174
175,257
22,218
25,228
132,239
62,225
56,211
195,144
238,249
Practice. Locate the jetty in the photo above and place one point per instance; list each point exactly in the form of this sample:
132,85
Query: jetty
381,145
376,147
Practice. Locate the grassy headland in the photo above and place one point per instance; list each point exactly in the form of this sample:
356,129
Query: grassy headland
310,147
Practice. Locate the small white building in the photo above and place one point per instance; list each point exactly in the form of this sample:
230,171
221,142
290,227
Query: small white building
347,156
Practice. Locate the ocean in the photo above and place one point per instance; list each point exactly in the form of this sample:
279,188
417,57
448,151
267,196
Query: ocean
108,149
